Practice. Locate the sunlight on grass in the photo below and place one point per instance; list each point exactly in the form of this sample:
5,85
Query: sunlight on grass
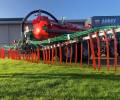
23,80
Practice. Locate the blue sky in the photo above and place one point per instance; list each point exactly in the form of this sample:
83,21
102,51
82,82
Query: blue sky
71,9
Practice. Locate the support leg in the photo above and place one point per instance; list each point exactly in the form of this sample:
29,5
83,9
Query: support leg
115,50
92,52
98,49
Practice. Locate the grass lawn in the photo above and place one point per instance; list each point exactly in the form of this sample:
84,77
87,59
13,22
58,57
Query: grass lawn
21,80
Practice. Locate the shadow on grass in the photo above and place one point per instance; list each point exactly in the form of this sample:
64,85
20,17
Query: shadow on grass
41,91
63,76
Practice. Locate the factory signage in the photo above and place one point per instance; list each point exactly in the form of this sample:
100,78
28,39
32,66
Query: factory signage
105,20
108,21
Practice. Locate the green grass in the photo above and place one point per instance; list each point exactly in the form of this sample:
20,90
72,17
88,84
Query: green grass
21,80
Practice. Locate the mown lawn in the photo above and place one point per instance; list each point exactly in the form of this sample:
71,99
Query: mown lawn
21,80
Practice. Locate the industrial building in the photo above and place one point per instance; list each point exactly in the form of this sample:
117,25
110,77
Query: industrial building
10,29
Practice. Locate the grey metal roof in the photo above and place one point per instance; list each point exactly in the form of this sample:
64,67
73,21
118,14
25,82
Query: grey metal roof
19,21
11,19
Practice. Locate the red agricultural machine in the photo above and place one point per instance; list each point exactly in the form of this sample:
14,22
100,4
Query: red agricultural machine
50,39
45,27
